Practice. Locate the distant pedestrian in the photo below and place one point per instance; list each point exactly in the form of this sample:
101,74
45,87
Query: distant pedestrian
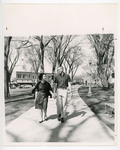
44,90
86,82
111,80
62,86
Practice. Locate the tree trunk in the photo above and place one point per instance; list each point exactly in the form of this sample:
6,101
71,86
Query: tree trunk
72,78
103,77
102,44
42,47
42,61
7,41
6,84
104,82
53,67
72,74
65,69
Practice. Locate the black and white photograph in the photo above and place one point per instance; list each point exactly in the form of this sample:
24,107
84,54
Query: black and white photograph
59,87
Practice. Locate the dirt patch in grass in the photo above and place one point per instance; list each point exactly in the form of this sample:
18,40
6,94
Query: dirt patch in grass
97,103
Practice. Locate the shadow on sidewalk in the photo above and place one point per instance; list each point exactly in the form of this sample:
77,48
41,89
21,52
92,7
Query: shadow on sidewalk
52,116
14,137
75,114
97,103
56,132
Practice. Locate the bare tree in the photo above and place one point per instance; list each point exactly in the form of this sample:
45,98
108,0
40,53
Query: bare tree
12,51
104,48
91,69
74,60
14,56
33,57
43,43
7,41
35,50
59,49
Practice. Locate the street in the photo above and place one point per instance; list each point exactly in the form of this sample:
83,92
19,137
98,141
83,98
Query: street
22,91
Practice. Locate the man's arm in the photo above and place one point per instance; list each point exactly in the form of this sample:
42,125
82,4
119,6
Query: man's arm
69,87
49,88
55,88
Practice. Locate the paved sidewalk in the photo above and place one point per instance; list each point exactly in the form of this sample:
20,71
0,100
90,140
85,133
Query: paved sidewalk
81,126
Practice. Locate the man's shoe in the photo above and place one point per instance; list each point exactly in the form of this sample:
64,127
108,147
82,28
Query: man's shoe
59,117
62,120
46,118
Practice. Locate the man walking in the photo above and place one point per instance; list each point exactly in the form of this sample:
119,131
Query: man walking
61,88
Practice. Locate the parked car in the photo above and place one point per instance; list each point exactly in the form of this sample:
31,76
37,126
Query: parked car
21,86
28,86
13,86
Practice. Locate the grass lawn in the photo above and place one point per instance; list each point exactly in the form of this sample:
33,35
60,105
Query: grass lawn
20,101
14,109
97,103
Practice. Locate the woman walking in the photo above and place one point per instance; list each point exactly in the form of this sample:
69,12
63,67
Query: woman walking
44,90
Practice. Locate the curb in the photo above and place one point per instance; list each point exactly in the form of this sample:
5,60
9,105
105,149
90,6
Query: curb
20,99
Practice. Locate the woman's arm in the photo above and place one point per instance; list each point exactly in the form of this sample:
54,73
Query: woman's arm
50,88
36,87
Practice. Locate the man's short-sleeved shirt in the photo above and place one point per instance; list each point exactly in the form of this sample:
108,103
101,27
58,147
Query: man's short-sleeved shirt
62,81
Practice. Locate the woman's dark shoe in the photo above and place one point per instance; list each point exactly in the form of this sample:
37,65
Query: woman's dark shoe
41,121
62,120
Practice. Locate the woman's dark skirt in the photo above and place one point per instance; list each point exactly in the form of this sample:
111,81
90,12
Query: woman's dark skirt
41,101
